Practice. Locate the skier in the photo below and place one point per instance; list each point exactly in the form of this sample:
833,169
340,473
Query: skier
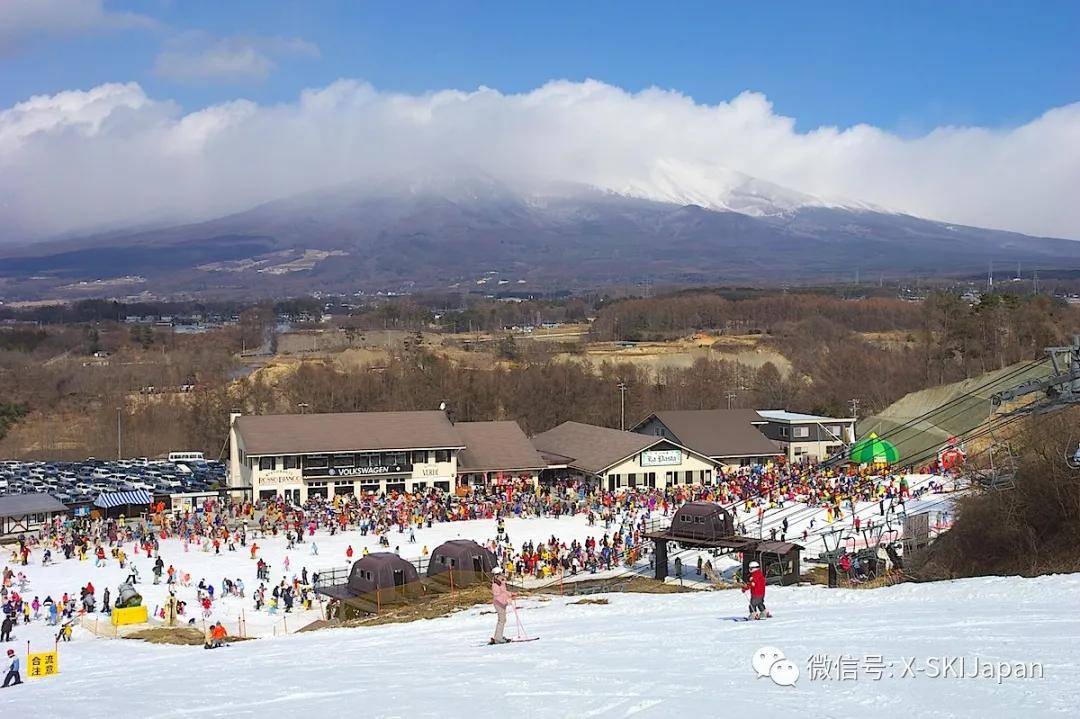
501,598
13,670
756,585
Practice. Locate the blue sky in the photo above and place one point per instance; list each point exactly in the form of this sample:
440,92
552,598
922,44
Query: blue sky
904,66
171,110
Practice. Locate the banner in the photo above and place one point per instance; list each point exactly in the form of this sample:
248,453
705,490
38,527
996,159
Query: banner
42,664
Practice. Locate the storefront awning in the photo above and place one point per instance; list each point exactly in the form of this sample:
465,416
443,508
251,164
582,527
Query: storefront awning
118,499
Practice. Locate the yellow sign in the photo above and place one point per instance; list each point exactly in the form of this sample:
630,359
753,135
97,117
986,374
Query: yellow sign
130,615
42,664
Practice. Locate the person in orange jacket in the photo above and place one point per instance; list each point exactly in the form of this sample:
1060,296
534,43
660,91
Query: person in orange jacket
217,635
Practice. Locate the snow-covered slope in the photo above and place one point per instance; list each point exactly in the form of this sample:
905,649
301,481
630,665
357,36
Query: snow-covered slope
721,188
640,655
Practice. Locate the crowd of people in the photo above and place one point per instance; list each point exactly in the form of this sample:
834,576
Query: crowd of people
219,526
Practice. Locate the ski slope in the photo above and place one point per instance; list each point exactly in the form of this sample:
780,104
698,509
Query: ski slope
639,656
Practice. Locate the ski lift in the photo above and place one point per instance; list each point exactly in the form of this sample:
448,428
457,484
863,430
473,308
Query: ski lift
951,455
1002,473
1073,460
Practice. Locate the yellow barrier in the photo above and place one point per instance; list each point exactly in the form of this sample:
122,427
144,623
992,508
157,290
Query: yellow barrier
130,615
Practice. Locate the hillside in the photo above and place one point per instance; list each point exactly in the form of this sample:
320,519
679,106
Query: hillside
917,426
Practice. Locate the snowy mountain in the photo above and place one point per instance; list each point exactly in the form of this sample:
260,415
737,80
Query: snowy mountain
452,229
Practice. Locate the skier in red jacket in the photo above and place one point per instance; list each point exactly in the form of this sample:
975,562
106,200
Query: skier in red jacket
756,585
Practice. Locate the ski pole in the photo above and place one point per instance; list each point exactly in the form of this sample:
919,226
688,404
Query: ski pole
517,618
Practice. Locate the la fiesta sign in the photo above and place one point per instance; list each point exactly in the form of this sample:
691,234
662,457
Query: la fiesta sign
661,457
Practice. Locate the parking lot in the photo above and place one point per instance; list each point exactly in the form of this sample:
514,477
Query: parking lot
81,482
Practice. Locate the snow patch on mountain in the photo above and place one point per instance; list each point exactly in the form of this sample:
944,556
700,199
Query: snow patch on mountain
721,188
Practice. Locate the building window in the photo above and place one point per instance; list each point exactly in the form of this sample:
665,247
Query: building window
316,461
708,476
291,461
266,463
689,476
631,480
784,431
800,432
834,431
442,455
419,456
344,460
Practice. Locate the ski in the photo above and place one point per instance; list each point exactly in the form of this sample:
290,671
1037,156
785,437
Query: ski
511,641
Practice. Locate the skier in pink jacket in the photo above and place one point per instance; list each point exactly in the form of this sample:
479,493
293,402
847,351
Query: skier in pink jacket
501,598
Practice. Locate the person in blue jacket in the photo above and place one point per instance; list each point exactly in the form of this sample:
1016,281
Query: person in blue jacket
13,670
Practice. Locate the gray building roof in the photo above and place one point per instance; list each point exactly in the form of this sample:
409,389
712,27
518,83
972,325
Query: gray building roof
346,432
717,432
590,448
494,446
20,505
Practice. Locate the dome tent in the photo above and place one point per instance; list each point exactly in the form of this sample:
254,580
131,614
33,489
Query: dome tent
460,561
702,521
382,572
874,450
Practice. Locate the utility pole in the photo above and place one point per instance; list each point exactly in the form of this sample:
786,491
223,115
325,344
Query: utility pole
622,405
119,437
854,408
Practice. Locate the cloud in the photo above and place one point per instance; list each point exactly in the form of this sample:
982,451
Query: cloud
198,57
113,155
20,19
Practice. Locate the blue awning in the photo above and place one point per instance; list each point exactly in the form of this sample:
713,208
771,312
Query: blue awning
118,499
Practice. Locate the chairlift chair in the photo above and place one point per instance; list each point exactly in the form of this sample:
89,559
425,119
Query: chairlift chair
1073,460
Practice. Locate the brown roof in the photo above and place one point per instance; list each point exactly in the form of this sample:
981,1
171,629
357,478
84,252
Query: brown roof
346,432
775,547
590,448
492,446
718,432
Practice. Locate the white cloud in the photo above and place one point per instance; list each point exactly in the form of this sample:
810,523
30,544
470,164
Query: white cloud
196,57
26,18
113,155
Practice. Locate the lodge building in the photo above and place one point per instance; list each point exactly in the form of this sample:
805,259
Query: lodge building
299,456
614,459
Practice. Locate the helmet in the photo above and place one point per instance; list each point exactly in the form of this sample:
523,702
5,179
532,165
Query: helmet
754,565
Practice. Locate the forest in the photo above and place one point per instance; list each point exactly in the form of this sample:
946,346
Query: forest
874,350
